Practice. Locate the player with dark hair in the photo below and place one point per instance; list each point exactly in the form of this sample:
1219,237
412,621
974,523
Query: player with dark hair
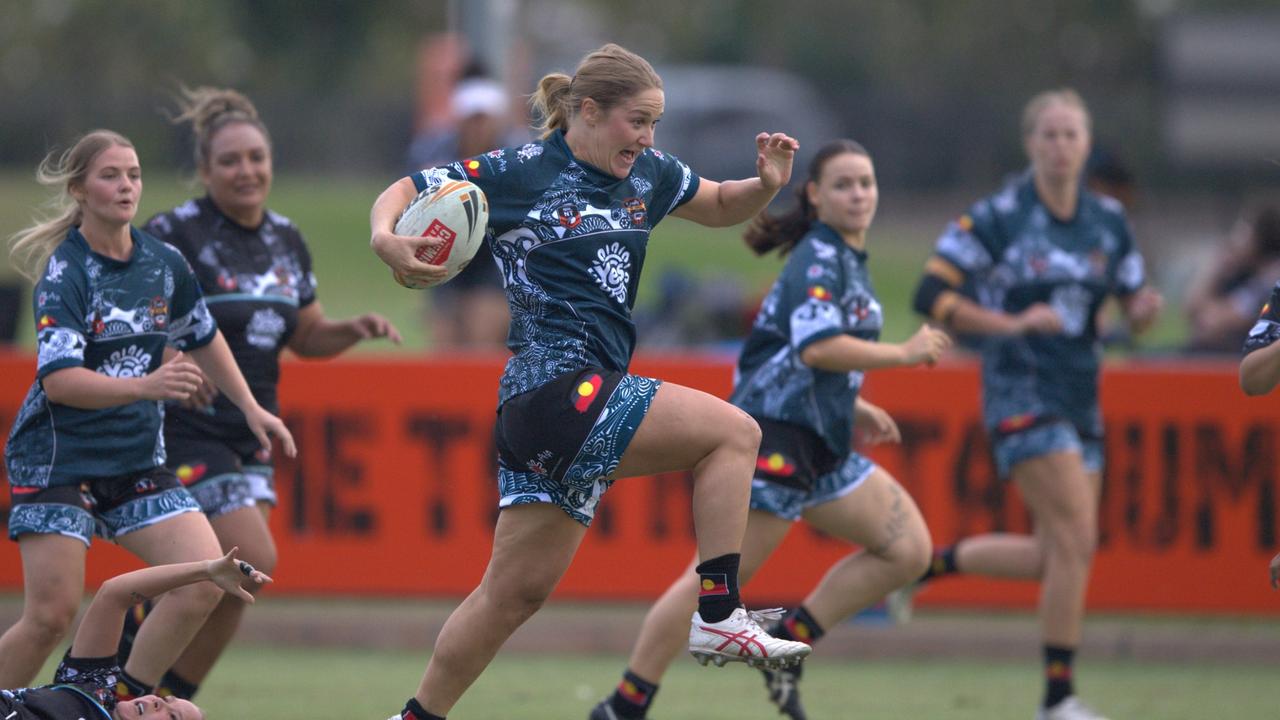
86,454
85,681
1041,255
799,376
254,271
569,219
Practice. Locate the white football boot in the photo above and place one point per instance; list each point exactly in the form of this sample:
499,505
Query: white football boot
739,638
1070,708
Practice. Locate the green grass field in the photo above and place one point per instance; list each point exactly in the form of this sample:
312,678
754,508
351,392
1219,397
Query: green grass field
333,213
316,684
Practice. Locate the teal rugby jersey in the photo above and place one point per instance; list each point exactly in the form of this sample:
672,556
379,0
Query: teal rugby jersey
1266,330
823,291
1015,254
114,318
570,242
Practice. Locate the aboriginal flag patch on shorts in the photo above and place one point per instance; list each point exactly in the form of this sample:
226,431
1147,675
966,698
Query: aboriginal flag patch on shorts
541,431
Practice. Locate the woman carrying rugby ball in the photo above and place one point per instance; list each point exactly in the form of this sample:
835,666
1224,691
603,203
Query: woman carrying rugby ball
571,419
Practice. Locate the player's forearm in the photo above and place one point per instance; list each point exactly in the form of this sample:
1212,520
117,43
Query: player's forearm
327,338
388,206
739,200
85,389
970,318
843,353
217,362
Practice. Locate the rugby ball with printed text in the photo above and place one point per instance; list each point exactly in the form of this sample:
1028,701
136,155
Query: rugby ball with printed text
456,214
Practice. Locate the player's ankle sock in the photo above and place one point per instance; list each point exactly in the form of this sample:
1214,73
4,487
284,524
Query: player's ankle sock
413,710
129,687
718,587
174,684
1057,674
798,625
944,563
633,696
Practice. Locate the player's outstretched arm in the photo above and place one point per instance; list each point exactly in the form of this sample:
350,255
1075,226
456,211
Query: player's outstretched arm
99,633
721,204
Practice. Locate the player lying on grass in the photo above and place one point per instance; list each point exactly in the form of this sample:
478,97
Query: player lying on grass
85,682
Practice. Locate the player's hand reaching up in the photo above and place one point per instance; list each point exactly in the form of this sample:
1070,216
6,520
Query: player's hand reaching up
774,155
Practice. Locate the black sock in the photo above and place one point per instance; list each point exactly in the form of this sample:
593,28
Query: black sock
129,687
1057,674
633,696
132,621
414,711
798,625
174,684
718,587
944,563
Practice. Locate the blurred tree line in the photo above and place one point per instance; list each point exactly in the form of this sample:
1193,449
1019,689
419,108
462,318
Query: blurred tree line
934,86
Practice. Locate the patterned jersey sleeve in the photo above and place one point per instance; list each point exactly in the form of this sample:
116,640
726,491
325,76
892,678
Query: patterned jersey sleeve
307,285
191,326
674,185
1131,271
61,307
810,284
1267,330
968,243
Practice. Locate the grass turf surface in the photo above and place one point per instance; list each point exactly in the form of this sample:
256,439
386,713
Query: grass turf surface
321,684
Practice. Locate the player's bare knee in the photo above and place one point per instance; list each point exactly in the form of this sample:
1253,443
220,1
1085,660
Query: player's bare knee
742,433
50,622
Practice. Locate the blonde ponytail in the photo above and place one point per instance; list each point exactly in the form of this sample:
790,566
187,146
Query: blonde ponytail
30,248
608,75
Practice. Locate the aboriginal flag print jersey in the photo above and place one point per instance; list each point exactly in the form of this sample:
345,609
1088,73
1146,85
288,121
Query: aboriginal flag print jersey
112,317
823,291
570,242
1012,252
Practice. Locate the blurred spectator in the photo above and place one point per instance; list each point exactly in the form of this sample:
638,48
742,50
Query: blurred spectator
461,113
711,313
1223,300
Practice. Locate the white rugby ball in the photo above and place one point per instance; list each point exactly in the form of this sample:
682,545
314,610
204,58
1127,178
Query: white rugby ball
456,213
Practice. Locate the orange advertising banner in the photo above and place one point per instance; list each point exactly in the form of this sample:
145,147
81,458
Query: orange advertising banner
395,479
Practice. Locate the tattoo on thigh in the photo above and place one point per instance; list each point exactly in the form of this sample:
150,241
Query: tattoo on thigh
896,525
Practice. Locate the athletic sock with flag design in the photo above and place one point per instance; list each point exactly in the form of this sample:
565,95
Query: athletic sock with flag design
413,710
174,684
129,687
718,587
944,563
633,696
798,625
1057,674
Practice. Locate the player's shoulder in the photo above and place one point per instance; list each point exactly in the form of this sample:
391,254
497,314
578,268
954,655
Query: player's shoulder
1107,208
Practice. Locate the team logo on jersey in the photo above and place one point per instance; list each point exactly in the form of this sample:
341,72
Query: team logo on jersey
188,474
965,223
226,281
265,329
1265,309
612,270
776,464
568,216
585,393
528,152
819,293
636,209
472,167
539,462
131,362
46,321
97,324
56,267
159,312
